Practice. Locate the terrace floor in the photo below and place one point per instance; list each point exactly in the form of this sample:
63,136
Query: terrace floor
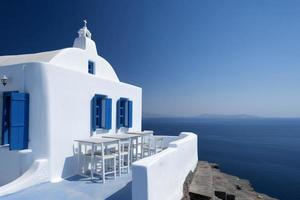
78,188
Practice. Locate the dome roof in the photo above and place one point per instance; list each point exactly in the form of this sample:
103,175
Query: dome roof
74,58
70,58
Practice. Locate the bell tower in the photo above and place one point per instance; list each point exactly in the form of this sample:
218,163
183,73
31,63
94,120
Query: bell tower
84,40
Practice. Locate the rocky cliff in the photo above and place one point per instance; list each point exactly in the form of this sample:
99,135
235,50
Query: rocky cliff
209,183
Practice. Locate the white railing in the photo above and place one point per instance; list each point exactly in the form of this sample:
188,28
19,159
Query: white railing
161,176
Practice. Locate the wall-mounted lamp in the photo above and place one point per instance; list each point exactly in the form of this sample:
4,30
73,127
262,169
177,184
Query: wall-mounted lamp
4,80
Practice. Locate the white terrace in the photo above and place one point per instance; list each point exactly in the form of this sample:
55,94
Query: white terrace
158,175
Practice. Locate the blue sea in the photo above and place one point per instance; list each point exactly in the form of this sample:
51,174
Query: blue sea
264,151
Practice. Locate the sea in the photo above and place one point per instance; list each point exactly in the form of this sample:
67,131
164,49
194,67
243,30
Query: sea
266,151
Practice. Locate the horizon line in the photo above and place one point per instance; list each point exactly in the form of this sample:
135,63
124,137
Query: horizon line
219,116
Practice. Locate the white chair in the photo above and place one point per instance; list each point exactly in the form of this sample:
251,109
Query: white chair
85,160
136,152
105,165
152,145
144,141
124,157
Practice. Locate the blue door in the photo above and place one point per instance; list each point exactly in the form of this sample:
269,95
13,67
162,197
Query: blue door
19,121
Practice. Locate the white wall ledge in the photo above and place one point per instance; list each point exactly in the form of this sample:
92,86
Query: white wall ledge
24,151
4,146
161,176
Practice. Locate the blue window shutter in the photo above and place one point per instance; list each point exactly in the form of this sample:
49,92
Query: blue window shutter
108,104
97,111
5,118
119,113
129,114
19,121
94,113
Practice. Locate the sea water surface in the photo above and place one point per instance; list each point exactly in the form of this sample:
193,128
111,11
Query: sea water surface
264,151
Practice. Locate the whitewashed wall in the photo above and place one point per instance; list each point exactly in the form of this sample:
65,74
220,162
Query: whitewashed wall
70,94
60,112
161,176
26,78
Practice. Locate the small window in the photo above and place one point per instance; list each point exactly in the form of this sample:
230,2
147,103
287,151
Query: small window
101,112
91,67
124,114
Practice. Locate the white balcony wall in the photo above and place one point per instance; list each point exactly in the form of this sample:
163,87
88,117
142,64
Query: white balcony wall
170,167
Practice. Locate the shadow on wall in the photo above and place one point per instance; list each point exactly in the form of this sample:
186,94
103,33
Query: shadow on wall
124,193
13,164
70,167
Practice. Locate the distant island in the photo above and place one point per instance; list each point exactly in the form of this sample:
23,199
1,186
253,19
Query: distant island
223,116
204,116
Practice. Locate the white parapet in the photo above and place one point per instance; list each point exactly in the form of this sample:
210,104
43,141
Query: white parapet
36,174
161,176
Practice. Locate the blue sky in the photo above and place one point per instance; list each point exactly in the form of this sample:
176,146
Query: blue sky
190,57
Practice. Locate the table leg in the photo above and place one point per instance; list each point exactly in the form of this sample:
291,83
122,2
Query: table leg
92,162
131,152
119,147
78,157
103,163
137,148
142,147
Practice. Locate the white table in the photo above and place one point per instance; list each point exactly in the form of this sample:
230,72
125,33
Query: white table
94,142
141,134
122,136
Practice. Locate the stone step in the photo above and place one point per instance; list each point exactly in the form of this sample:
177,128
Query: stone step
201,187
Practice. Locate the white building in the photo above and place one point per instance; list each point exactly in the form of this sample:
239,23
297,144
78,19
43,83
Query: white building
59,88
49,99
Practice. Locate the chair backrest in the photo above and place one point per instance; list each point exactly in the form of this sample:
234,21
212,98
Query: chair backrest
158,142
155,142
125,146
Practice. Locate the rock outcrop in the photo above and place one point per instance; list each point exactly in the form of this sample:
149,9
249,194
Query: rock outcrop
209,183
